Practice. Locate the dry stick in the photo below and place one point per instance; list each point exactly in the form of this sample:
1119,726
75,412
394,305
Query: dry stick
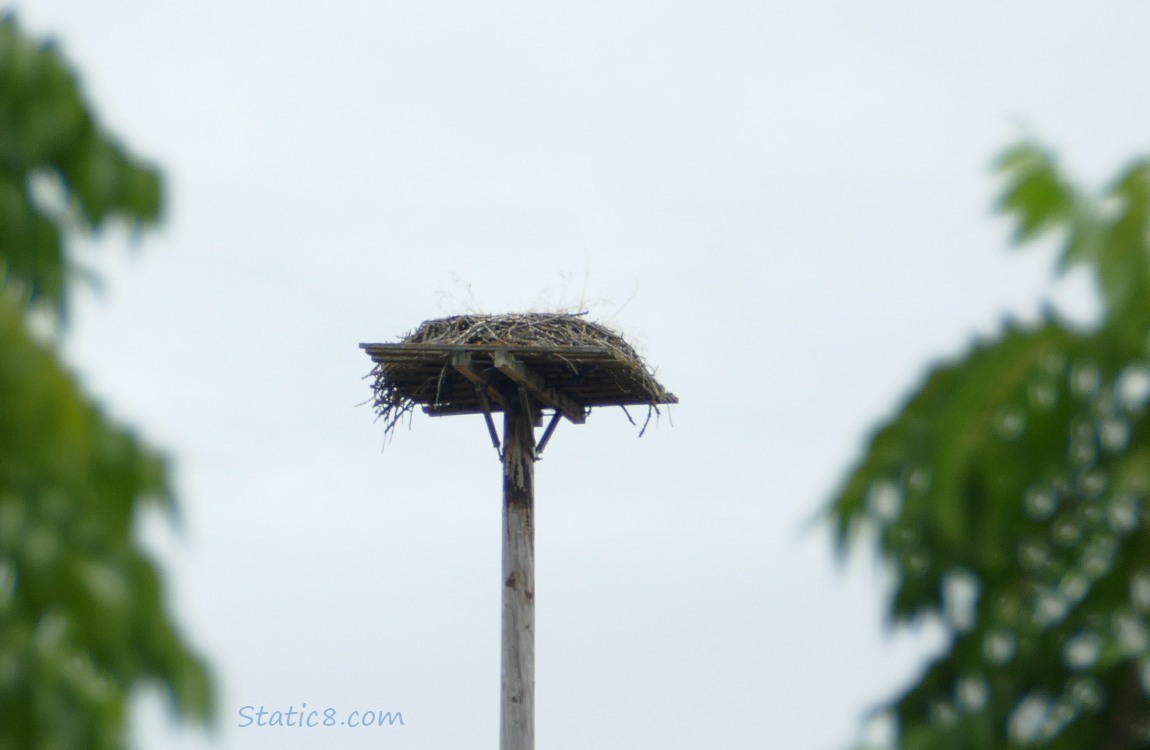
646,422
629,419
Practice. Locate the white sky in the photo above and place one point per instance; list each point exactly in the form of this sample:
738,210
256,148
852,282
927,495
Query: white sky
785,205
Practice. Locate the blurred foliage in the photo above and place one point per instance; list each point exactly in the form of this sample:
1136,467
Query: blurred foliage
82,618
1011,498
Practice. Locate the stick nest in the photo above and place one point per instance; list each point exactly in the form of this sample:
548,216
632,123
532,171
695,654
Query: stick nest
521,329
612,373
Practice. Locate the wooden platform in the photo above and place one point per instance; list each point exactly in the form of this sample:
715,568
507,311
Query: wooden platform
460,378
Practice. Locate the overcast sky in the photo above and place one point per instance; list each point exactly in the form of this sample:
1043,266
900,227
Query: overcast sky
785,206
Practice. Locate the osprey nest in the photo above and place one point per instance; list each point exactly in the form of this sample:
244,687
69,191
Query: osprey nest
469,364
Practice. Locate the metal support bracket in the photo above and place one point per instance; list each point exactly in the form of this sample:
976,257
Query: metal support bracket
481,394
555,418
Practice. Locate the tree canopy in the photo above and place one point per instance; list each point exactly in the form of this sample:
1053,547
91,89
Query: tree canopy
82,612
1009,496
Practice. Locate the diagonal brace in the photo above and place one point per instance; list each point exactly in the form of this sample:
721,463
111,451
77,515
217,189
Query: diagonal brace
461,361
533,383
547,434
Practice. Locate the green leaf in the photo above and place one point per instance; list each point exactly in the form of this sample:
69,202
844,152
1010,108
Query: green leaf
1022,470
46,127
82,615
1035,193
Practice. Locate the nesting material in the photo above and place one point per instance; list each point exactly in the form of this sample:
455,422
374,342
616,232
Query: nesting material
469,364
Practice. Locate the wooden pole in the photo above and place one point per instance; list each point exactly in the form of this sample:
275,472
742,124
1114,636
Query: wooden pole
517,694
